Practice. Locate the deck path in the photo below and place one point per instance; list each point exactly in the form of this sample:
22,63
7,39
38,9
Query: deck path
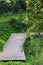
12,50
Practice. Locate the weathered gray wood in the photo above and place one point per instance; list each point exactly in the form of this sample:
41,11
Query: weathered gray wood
12,50
36,33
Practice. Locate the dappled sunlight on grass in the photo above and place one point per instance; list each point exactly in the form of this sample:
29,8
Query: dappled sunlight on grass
2,41
6,17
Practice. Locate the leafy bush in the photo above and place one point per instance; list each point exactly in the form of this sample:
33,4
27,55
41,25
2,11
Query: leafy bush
18,25
33,46
4,6
13,6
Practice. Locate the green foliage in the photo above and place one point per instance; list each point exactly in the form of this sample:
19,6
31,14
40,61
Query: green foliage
35,16
4,6
28,18
13,6
18,25
33,46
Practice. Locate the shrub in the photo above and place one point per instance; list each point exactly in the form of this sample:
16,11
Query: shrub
18,25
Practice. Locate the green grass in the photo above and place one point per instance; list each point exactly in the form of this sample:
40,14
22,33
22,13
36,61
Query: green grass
6,17
5,31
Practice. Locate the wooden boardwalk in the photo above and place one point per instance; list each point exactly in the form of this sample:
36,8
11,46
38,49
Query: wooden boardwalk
12,50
